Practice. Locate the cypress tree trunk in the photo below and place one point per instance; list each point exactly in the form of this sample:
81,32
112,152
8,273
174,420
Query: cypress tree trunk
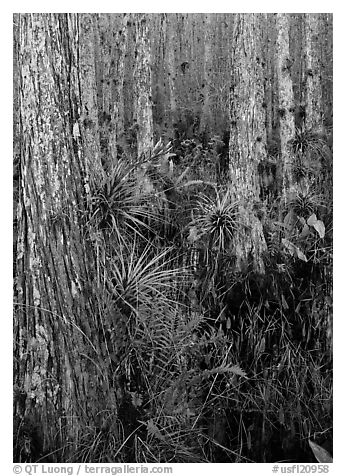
221,70
286,99
61,381
296,41
207,74
247,135
271,85
143,92
171,69
313,88
326,48
87,112
268,80
111,44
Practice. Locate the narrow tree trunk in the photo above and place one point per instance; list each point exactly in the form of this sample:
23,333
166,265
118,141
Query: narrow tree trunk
272,87
112,37
221,70
326,47
88,114
313,88
297,71
286,99
269,82
171,66
161,118
207,73
143,94
247,135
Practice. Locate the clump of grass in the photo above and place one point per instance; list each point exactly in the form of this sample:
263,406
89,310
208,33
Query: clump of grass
287,395
101,444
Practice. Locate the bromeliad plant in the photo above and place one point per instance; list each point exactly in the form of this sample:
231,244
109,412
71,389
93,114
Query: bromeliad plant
312,156
140,280
117,204
308,140
217,220
305,201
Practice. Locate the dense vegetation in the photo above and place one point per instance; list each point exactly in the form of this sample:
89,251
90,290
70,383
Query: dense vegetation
199,356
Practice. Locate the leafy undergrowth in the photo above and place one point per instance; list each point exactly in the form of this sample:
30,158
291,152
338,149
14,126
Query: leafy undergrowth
210,364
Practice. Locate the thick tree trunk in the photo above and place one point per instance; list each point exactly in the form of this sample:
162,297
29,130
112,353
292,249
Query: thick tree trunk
143,92
60,373
286,100
247,135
